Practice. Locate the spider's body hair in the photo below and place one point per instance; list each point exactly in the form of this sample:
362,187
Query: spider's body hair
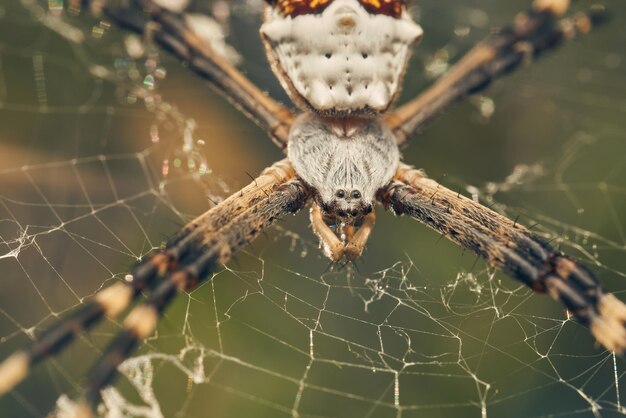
343,61
344,161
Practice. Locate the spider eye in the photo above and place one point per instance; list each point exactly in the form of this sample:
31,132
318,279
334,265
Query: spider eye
391,8
356,194
340,194
295,8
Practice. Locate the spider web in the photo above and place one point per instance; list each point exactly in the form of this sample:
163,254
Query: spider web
108,146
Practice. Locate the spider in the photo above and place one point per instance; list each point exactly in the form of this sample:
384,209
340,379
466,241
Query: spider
342,63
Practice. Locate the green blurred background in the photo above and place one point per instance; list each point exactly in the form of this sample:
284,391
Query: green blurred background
419,330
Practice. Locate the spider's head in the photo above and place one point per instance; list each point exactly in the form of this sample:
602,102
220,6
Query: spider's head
340,57
345,206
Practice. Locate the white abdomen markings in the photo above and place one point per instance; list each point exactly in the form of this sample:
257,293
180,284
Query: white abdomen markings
344,60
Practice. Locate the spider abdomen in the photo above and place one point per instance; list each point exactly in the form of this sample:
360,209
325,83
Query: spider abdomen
344,60
345,161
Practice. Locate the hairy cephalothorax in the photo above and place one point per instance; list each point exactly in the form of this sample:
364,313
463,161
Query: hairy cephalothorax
344,161
342,61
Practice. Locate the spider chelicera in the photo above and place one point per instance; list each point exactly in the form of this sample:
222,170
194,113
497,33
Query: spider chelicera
342,63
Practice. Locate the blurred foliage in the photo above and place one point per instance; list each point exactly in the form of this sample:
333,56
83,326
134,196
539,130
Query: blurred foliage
83,196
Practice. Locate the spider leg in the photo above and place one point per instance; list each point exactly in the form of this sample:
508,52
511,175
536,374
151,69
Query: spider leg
214,250
532,33
171,32
116,298
510,247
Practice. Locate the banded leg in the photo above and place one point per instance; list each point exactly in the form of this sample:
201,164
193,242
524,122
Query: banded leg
214,249
533,33
171,32
116,298
510,247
